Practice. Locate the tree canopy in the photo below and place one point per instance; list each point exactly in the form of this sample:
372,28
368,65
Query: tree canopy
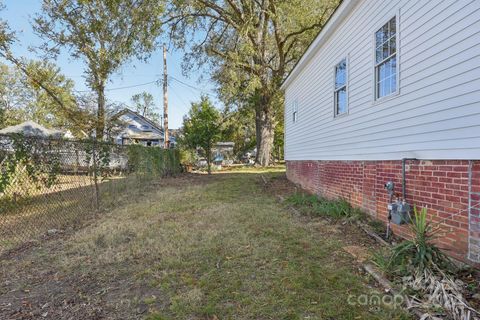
6,35
202,128
239,127
104,34
250,46
144,104
5,40
27,80
21,97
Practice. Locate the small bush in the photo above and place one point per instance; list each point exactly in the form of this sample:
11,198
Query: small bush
319,206
416,254
301,199
383,260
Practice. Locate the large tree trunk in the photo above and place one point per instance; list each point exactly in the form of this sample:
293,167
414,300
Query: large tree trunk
100,112
264,123
2,117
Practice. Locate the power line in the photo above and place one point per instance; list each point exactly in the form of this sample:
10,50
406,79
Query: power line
157,82
179,96
182,88
130,75
125,87
191,86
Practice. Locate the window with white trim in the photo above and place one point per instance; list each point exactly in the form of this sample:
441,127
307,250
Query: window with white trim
386,59
295,111
341,88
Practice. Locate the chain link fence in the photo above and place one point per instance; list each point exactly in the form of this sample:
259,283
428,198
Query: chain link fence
49,184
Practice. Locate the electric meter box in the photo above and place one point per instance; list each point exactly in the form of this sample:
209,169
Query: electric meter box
400,212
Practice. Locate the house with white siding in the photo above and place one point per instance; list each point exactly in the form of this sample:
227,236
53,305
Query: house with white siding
389,91
131,127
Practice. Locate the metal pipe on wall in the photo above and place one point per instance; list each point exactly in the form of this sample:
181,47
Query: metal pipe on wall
404,178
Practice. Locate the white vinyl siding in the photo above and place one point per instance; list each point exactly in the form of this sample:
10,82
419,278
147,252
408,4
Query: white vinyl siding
436,113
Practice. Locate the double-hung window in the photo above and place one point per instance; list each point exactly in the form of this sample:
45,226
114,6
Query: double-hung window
386,59
295,111
341,88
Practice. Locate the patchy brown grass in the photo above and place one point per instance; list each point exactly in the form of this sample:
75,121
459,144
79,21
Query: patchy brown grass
26,215
194,247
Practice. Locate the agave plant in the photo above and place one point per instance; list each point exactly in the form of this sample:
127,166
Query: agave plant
420,252
424,269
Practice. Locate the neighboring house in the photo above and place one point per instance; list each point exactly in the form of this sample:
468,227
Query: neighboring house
133,128
390,91
173,135
33,129
223,153
73,156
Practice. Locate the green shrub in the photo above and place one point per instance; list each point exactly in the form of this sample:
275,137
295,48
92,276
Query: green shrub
319,206
336,209
383,260
416,254
302,199
187,156
153,161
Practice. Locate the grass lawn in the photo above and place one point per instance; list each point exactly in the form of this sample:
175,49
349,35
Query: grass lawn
193,247
27,209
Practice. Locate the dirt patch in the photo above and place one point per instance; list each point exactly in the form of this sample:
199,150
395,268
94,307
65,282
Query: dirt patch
278,185
184,180
360,254
50,294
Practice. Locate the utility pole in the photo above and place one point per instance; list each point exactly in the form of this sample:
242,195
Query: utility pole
165,98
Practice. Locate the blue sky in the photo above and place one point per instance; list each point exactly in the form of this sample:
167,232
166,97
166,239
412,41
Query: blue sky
19,13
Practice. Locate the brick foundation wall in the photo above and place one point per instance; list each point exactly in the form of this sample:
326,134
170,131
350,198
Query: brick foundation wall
449,188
